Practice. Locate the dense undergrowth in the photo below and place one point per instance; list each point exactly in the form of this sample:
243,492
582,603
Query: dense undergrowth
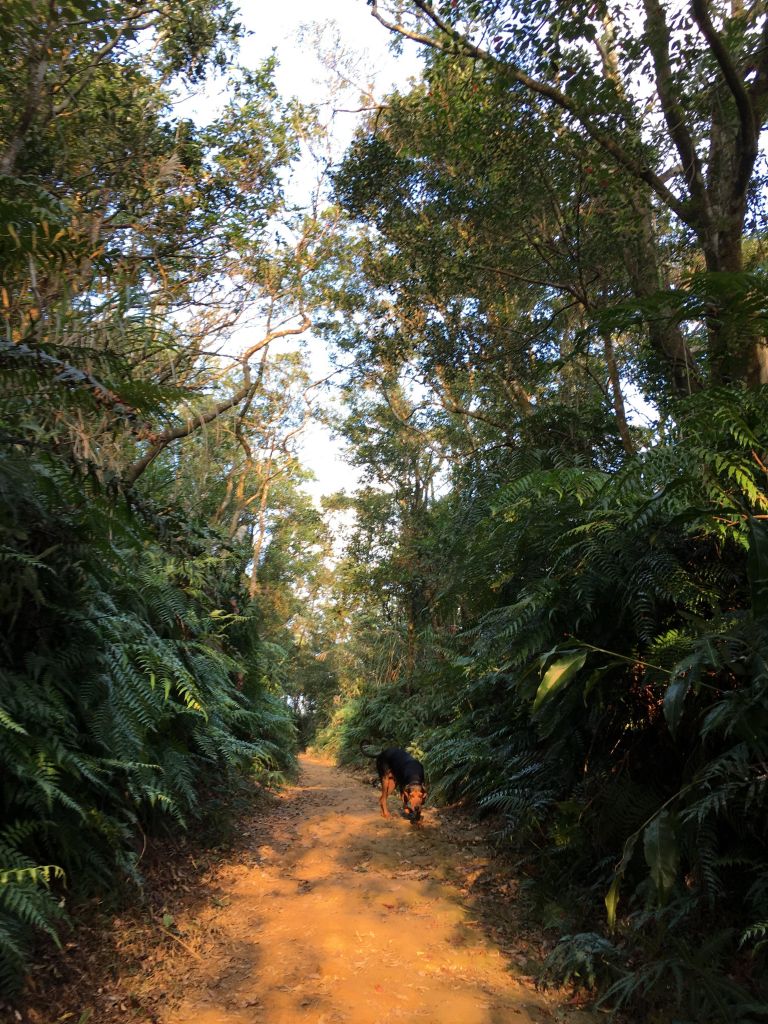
128,685
136,673
611,707
564,612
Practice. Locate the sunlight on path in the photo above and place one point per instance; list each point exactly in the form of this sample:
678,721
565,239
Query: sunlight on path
346,917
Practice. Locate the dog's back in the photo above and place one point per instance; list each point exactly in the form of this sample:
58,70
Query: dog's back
406,769
397,768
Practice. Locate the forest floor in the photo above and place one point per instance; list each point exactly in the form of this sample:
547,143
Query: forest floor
322,913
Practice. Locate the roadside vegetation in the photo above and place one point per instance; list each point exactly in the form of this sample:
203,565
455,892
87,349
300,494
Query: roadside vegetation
542,271
145,449
556,587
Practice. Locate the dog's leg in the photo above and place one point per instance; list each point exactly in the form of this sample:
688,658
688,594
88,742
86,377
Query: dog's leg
387,787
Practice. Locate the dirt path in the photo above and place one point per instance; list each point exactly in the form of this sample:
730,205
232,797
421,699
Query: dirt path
343,916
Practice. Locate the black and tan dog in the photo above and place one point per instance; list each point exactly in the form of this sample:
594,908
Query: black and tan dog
397,769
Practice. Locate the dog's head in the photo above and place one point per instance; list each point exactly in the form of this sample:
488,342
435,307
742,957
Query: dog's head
414,798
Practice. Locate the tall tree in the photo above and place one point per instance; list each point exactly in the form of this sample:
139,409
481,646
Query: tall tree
137,249
137,244
693,143
499,258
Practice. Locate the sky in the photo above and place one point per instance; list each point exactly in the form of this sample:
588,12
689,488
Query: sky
276,25
288,27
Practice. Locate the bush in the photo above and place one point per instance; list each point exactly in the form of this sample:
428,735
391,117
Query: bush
124,685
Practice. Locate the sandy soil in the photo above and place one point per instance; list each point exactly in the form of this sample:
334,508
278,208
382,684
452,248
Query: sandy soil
343,916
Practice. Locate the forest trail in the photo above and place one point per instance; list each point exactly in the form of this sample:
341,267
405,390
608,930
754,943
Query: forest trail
343,916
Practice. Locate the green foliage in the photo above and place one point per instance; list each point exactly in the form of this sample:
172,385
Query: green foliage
562,612
26,904
137,675
612,707
125,690
591,639
380,716
588,661
584,961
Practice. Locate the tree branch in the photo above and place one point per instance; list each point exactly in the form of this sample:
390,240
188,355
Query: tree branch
758,90
194,423
31,105
749,127
99,56
37,82
733,80
606,141
659,45
75,379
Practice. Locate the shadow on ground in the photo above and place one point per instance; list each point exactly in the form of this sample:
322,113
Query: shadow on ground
325,912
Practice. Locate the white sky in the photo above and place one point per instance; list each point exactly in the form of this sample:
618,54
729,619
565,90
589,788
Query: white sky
276,25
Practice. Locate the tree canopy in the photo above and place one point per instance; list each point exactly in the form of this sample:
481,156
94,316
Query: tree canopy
540,269
556,297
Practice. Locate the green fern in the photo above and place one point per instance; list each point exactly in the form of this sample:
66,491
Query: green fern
117,703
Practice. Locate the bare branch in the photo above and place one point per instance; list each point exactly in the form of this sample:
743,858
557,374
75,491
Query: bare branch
659,45
193,423
733,79
280,332
758,90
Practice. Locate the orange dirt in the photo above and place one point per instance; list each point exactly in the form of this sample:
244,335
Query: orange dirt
348,917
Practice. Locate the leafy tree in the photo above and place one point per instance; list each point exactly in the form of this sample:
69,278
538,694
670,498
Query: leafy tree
133,664
526,250
697,152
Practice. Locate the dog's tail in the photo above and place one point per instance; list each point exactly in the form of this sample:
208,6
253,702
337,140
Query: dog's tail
366,743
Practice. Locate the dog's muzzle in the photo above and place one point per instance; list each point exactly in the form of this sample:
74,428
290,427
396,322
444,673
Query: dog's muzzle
414,799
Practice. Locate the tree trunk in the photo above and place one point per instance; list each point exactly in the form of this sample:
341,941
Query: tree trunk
666,338
261,529
618,398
